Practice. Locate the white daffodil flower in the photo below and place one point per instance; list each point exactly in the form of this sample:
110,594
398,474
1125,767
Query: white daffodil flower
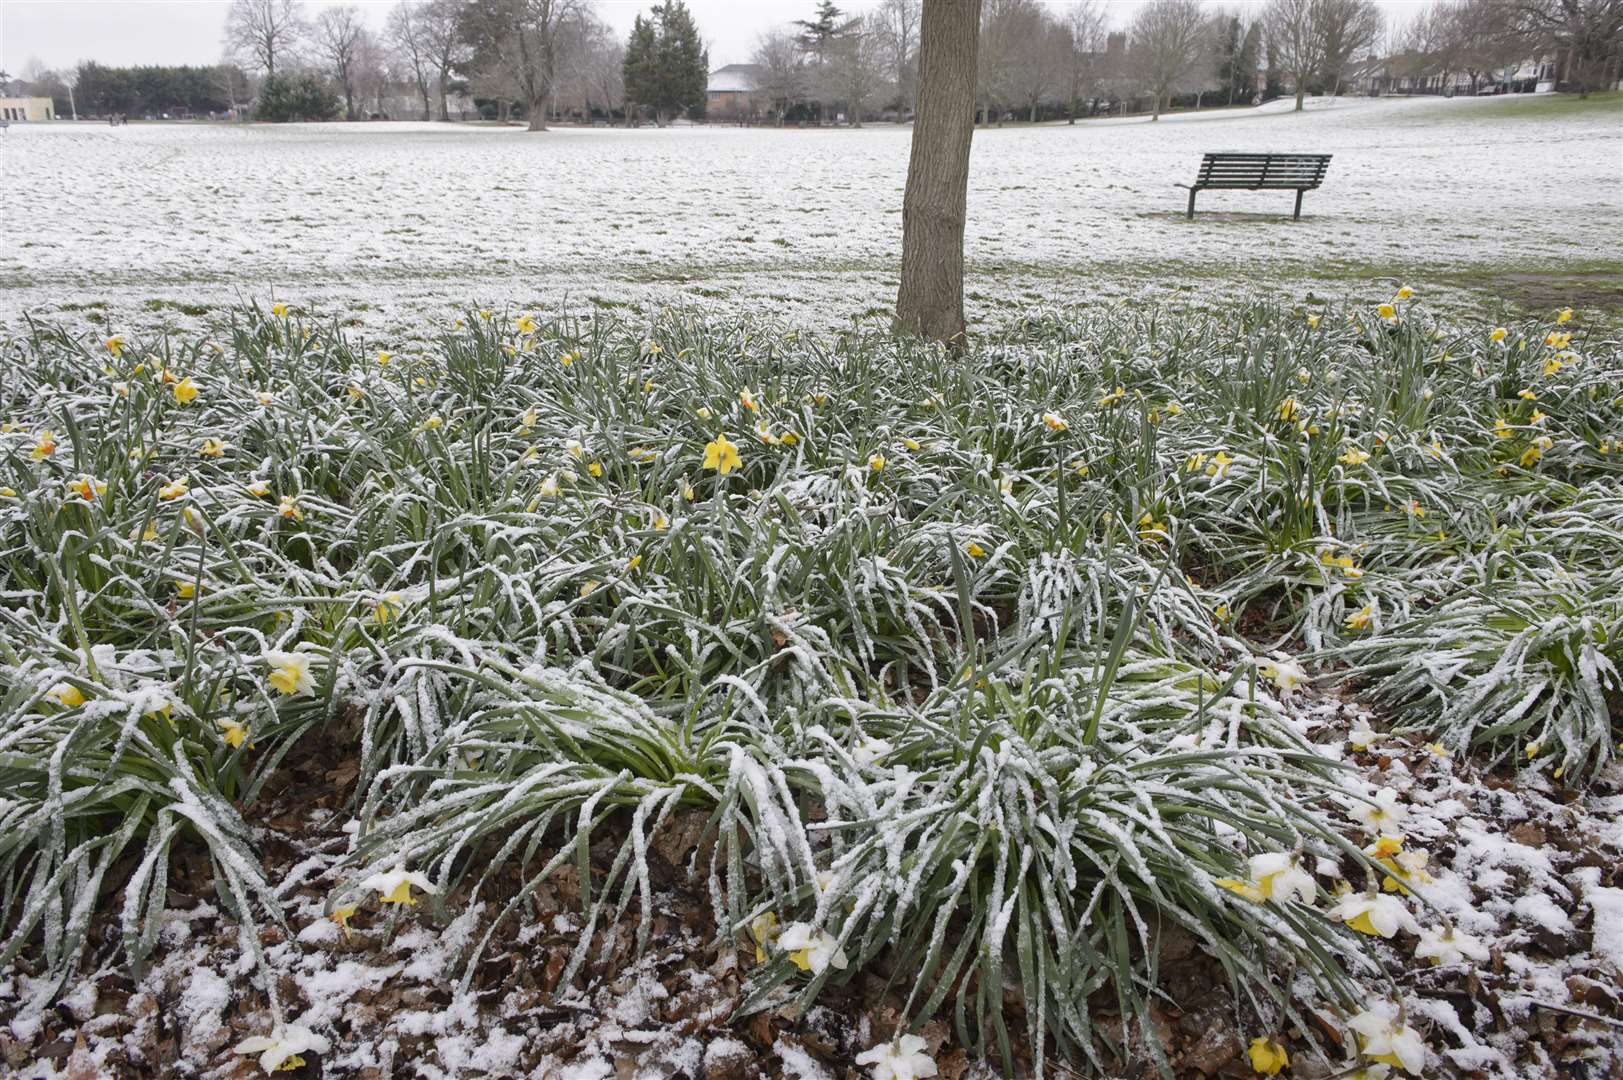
281,1049
811,950
1363,737
1284,674
1375,914
394,886
869,751
289,672
1384,817
1280,877
1446,945
1386,1039
903,1059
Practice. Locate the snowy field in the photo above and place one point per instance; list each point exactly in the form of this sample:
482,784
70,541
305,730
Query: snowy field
378,221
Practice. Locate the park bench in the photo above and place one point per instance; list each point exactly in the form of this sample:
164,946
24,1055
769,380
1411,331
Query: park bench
1260,172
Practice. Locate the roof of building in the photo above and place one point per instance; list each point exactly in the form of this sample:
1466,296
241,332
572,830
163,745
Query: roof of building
735,78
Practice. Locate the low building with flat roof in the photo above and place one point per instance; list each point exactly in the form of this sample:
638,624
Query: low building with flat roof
23,109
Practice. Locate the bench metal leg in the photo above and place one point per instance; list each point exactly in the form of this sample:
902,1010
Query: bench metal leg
1298,216
1191,214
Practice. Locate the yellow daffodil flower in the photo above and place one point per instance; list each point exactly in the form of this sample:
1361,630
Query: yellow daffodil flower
722,456
258,489
876,462
1055,422
289,508
1267,1057
87,487
185,391
213,447
173,490
66,695
44,446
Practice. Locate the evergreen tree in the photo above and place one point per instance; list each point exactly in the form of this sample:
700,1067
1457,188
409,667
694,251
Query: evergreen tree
817,37
1228,52
1271,87
1245,67
667,67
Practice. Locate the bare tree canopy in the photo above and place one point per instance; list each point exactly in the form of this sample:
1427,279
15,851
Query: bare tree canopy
408,38
1169,38
258,33
337,38
785,78
522,38
897,24
857,67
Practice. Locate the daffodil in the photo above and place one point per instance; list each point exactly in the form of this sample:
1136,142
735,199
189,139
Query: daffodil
44,446
1498,334
1362,737
1564,316
1446,945
1375,914
524,324
233,732
810,949
115,345
1220,465
173,490
876,461
394,886
722,456
1353,456
66,695
549,487
1276,876
281,1050
341,916
185,391
1359,619
279,310
1312,322
1194,463
904,1058
387,608
974,550
213,447
747,399
1382,815
87,487
1267,1057
1404,292
1055,422
764,929
1150,529
1387,312
289,508
1385,1038
1112,398
1284,674
1502,430
258,489
289,673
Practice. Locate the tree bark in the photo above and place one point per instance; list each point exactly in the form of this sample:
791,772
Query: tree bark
537,115
931,299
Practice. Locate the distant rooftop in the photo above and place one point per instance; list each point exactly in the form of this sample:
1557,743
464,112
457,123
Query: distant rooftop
735,78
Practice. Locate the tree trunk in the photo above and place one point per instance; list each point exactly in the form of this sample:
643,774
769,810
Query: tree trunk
537,115
931,299
349,102
1300,94
445,105
1156,107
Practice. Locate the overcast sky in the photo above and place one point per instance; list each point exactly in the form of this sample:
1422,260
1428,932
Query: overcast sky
61,32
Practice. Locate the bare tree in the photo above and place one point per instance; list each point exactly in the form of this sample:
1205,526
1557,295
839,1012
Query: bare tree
409,39
784,75
1293,34
1347,31
439,25
1086,34
1169,38
522,38
371,73
930,301
337,39
260,32
1041,59
1002,24
897,22
857,67
1586,34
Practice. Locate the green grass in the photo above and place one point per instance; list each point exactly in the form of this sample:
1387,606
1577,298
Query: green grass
973,659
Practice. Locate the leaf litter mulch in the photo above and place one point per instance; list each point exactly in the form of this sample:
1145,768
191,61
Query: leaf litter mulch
1533,871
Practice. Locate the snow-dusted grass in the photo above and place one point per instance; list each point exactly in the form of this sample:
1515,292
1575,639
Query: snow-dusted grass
374,221
990,661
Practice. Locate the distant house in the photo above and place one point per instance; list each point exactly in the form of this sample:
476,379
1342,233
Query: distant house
26,108
734,92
